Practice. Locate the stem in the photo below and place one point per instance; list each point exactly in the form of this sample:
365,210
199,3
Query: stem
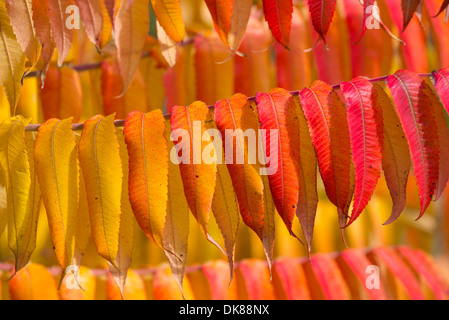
120,123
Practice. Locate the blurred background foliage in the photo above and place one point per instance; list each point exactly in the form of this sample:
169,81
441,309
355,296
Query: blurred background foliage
201,74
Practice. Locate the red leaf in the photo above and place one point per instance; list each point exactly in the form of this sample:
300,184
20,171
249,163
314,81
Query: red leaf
400,271
366,136
442,86
277,111
359,263
289,280
329,277
278,14
322,12
420,129
326,117
425,267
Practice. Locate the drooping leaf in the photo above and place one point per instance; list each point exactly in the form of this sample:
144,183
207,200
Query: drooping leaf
322,12
91,13
326,117
241,10
148,164
236,114
131,28
99,156
23,194
21,17
365,132
119,268
169,15
43,31
395,154
62,35
55,156
420,128
12,59
221,12
408,7
176,232
443,138
276,111
278,14
307,195
198,177
61,95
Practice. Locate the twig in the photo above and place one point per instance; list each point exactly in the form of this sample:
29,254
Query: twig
120,123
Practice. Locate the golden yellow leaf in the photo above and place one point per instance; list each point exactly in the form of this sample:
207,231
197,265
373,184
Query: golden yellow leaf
16,160
119,269
131,28
99,156
12,59
55,155
169,15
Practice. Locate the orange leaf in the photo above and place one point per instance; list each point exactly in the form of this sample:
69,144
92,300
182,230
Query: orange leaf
148,178
198,177
33,282
253,280
131,28
277,115
395,154
61,95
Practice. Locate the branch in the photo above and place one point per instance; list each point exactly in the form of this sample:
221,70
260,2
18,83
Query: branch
120,123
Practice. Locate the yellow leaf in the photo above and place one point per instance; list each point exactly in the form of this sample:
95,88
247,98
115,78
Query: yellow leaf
169,15
176,229
131,28
23,196
12,59
55,155
119,269
99,156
